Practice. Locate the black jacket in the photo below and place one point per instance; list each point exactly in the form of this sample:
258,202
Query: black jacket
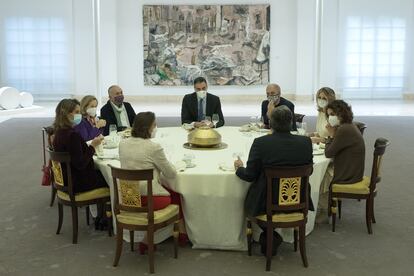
189,108
107,113
282,101
283,149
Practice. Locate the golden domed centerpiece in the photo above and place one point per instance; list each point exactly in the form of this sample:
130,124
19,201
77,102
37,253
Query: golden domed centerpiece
204,138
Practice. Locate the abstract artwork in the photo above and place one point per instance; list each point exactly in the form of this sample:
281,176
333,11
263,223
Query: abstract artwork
227,44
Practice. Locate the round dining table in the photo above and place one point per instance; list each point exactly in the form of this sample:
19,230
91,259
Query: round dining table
211,193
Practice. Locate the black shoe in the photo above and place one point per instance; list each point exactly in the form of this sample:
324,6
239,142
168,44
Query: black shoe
277,241
101,224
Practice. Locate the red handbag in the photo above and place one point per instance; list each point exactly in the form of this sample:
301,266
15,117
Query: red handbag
46,181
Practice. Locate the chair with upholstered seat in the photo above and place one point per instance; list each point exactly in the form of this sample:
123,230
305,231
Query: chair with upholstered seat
365,189
299,117
67,196
361,126
290,209
131,215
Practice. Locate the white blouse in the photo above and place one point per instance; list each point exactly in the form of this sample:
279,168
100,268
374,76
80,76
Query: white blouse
321,123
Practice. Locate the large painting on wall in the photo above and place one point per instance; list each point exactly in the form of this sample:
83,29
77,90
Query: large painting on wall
227,44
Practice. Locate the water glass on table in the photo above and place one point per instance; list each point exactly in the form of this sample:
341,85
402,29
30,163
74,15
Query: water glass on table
301,128
113,130
215,119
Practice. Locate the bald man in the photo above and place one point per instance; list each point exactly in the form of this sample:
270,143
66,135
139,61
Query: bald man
116,111
274,99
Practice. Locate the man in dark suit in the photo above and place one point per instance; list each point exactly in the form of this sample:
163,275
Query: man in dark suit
279,148
274,100
199,104
116,111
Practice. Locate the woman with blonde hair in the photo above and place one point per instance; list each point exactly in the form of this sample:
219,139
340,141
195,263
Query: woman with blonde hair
324,96
90,127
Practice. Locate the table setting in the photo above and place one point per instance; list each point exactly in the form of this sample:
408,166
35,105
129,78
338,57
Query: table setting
212,195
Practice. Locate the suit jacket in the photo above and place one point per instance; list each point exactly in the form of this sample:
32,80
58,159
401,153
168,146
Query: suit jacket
107,113
189,108
138,153
282,149
282,101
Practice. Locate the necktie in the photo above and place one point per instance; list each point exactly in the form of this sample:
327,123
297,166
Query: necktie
200,110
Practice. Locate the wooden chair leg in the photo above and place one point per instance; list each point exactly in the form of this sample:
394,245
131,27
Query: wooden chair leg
52,195
302,246
372,212
131,239
118,252
74,224
175,235
108,217
295,239
87,214
249,234
333,214
269,245
368,216
60,212
150,237
339,208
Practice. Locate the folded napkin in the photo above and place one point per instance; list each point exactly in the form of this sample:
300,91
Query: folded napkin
107,155
227,166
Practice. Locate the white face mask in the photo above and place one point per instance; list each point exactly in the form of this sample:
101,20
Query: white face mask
201,94
154,132
333,121
322,103
91,111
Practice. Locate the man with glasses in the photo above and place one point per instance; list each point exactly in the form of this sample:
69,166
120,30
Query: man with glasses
274,100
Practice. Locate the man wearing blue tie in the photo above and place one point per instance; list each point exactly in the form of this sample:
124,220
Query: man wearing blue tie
200,104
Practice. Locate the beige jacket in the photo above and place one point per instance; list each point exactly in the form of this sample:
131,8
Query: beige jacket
139,153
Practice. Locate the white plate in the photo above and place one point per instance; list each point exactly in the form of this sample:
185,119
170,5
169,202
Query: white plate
108,156
110,146
319,152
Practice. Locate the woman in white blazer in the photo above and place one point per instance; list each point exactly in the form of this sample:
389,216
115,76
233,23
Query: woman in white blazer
140,152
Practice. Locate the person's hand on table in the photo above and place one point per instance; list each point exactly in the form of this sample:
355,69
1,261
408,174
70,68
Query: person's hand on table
199,124
238,163
97,141
317,140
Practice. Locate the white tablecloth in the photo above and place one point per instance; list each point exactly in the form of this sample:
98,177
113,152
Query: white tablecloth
213,199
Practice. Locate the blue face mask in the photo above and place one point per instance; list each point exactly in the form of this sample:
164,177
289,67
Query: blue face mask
77,118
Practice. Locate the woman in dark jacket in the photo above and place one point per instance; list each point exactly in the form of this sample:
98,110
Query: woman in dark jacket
84,175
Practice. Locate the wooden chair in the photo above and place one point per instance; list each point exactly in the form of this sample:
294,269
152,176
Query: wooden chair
47,139
365,189
361,126
131,215
299,117
291,210
67,196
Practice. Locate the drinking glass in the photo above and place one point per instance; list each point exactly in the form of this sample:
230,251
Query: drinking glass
208,120
112,130
215,119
